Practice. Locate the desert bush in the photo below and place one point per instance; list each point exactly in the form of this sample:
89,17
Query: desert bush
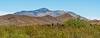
76,23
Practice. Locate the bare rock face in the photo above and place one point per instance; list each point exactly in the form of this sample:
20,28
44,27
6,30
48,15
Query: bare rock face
65,17
22,19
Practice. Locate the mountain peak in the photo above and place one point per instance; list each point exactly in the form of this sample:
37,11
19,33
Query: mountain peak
43,10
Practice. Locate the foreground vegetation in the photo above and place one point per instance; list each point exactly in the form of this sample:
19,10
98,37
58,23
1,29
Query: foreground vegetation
74,28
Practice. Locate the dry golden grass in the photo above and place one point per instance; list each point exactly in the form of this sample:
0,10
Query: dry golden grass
51,31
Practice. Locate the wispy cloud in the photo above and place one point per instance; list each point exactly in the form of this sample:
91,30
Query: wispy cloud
5,12
92,18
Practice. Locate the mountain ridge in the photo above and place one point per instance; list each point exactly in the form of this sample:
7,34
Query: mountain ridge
22,19
45,11
40,16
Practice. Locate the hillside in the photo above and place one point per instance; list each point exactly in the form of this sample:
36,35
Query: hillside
44,23
40,16
22,19
73,28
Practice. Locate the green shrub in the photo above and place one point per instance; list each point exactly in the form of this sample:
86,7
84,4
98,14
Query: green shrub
77,23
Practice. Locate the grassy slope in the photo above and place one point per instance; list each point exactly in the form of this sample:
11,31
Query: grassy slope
36,31
48,32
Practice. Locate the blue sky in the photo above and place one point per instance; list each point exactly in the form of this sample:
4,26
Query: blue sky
86,8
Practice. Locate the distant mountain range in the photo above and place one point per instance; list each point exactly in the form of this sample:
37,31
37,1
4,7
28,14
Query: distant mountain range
40,12
44,11
40,16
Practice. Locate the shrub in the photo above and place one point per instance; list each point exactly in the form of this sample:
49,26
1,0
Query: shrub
77,23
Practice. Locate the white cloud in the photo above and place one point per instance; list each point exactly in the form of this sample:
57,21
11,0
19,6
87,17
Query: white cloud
5,12
92,18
